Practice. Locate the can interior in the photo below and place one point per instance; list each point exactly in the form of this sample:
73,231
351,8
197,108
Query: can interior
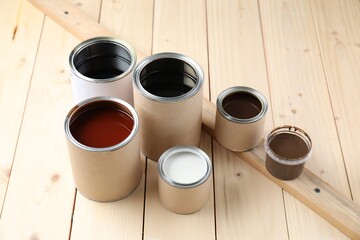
102,60
242,105
168,77
101,124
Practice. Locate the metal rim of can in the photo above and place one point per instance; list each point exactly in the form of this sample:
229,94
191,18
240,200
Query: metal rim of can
191,62
242,89
197,151
94,100
296,131
97,40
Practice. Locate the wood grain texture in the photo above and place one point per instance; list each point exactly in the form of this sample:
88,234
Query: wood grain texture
20,25
40,196
336,24
298,85
237,58
122,219
307,224
160,223
187,36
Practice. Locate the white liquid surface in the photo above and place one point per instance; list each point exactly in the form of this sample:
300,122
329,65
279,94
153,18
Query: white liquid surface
185,167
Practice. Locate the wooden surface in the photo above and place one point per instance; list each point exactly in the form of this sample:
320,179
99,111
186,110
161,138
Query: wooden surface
303,55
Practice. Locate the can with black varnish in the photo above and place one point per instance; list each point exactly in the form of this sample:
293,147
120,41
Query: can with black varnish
168,99
102,66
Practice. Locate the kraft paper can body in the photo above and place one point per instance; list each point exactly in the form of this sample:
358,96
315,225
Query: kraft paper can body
240,118
102,66
180,190
106,173
168,99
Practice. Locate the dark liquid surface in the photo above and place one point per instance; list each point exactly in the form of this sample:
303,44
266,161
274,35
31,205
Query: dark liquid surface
288,146
103,73
168,84
242,105
101,127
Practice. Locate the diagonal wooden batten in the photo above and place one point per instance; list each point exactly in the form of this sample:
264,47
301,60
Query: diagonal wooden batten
311,190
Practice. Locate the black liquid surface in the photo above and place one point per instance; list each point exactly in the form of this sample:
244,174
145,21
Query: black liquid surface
168,84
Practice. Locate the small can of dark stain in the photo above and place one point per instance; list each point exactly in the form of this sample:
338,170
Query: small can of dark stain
168,98
102,66
240,118
104,148
287,149
184,179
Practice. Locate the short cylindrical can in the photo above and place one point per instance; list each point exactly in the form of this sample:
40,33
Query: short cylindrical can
102,66
287,149
240,118
168,99
104,148
184,179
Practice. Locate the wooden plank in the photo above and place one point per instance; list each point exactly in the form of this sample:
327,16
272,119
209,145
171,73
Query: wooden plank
334,204
20,26
40,196
308,225
337,29
236,57
298,85
187,35
122,219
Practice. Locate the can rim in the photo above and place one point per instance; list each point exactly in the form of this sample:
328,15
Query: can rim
92,100
102,39
295,130
242,89
191,62
184,148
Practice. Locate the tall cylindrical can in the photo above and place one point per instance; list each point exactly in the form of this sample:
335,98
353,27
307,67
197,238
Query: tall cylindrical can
102,66
104,148
168,99
184,179
240,118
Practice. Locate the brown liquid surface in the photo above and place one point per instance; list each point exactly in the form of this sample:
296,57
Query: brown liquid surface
101,127
242,105
289,147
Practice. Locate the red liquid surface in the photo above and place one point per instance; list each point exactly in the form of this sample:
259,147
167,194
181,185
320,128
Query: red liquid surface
101,127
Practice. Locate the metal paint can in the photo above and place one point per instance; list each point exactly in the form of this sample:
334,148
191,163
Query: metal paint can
287,150
184,179
104,148
102,66
240,118
168,98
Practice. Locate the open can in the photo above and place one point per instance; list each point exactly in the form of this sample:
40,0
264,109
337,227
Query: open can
168,98
184,179
287,150
240,118
104,148
102,66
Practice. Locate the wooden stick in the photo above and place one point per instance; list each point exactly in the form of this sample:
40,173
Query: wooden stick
312,191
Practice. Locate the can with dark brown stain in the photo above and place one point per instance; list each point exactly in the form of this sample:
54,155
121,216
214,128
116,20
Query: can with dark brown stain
240,118
287,149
